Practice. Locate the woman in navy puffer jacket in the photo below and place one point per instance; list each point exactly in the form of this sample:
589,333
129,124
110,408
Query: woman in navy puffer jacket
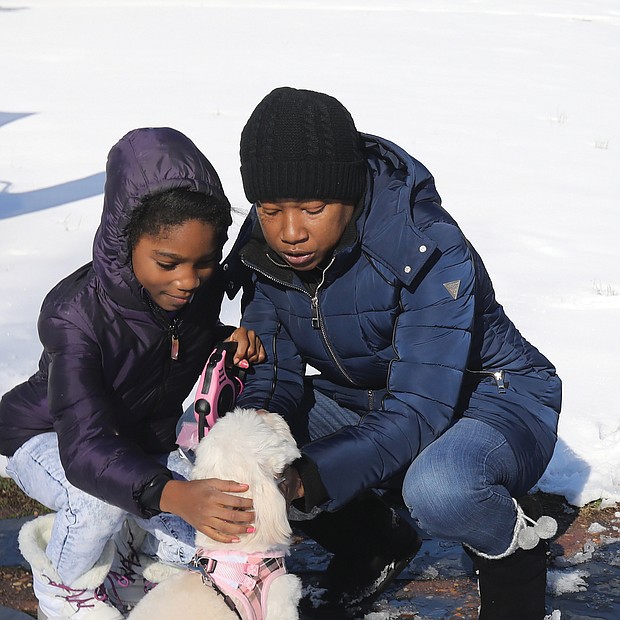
92,434
423,384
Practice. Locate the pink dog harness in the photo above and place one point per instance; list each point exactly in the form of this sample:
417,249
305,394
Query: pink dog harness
243,580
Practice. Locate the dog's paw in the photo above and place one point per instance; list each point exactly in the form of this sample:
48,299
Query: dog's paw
283,601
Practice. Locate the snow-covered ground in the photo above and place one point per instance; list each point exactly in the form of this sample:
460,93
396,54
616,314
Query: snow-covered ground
513,105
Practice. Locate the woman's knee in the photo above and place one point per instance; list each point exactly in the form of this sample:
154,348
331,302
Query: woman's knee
438,504
446,495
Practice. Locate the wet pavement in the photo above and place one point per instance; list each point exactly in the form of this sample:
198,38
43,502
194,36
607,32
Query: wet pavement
10,556
439,584
584,576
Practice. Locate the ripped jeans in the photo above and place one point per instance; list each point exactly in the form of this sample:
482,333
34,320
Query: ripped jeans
84,523
460,488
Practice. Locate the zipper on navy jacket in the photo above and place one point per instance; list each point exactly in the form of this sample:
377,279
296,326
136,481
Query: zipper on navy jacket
371,400
316,313
314,303
317,323
498,375
274,352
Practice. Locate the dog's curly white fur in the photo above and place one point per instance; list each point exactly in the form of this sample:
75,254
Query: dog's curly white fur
252,448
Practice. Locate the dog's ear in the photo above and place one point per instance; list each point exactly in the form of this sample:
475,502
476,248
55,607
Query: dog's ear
272,526
281,449
279,425
254,449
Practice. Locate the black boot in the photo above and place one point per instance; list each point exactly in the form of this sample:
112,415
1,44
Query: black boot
371,544
513,588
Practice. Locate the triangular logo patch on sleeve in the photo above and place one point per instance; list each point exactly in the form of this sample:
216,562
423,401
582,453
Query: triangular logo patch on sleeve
453,288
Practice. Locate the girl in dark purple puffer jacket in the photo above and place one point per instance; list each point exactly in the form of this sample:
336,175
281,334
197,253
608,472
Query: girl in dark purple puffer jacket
91,434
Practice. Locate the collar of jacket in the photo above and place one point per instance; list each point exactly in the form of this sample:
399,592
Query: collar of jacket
260,256
400,184
385,228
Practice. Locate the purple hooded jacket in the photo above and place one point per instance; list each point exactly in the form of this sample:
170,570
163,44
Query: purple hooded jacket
106,382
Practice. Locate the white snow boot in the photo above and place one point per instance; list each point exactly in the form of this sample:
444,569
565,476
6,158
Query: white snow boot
85,599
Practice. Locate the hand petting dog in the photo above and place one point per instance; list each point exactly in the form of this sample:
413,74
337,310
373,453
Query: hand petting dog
209,507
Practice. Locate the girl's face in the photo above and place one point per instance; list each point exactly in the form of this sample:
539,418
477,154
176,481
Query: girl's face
304,232
173,265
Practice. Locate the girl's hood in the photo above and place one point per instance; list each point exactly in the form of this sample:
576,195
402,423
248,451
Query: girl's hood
143,162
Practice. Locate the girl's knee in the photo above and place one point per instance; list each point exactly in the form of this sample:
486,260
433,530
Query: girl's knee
86,512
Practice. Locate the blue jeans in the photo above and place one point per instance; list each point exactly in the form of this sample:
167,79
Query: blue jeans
84,523
460,488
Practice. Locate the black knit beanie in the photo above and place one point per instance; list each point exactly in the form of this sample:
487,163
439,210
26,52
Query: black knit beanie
300,144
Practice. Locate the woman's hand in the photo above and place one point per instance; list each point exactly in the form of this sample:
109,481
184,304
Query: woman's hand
290,484
249,346
211,506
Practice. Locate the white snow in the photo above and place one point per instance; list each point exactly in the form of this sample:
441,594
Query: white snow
596,528
513,105
563,582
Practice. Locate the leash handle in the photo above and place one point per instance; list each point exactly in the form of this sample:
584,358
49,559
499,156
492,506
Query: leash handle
220,384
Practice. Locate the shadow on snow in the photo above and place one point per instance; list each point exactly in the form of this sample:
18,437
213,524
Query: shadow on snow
12,205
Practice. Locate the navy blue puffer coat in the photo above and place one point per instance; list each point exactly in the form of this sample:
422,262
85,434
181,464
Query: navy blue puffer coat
406,332
106,382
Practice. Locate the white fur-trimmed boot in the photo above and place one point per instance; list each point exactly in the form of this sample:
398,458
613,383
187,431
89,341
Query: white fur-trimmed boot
85,599
512,585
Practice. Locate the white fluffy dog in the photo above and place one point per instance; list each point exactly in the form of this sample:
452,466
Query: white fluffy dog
255,449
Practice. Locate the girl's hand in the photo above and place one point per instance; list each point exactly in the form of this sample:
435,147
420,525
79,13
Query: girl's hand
249,346
211,507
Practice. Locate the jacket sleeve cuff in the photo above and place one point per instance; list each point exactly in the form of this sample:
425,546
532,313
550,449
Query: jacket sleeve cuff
151,495
315,493
222,332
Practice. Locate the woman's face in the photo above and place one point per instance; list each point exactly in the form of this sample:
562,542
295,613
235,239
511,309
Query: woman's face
173,265
304,233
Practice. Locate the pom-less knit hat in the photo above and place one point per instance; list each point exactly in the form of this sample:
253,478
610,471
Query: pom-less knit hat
300,144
